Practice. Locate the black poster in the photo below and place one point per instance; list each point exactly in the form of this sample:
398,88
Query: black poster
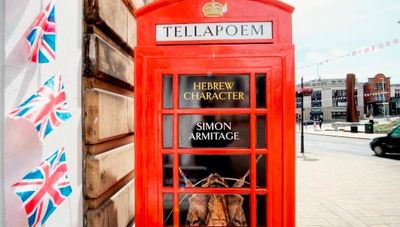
216,91
214,131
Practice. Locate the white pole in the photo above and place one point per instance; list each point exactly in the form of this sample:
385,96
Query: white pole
2,115
383,99
318,75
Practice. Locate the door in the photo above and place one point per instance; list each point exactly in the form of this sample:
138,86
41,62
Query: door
213,153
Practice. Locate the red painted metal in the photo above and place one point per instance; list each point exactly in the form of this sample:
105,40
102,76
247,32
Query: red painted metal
273,58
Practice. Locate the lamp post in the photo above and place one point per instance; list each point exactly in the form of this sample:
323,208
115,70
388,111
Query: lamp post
383,98
302,117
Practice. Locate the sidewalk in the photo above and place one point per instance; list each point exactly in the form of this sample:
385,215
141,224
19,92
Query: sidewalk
337,189
327,130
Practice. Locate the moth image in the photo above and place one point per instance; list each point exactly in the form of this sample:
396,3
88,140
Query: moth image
215,209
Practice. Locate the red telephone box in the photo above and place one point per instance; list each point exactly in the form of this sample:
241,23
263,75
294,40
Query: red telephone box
214,114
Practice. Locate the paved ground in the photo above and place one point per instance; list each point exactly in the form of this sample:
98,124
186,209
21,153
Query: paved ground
327,130
340,183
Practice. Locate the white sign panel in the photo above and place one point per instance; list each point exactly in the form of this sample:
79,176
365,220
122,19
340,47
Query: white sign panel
214,31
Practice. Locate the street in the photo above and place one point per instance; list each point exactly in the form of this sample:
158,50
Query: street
338,145
335,144
340,182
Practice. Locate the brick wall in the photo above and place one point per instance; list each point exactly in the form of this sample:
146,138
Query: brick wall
374,87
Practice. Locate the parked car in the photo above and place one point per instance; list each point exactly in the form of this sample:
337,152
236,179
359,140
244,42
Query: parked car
387,144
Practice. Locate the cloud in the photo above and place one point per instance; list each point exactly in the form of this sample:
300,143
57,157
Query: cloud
329,29
364,65
314,19
318,57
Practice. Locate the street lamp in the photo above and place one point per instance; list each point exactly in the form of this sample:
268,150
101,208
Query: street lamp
383,97
303,92
302,117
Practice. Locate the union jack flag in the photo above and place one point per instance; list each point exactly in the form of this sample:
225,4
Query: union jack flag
47,108
44,188
42,36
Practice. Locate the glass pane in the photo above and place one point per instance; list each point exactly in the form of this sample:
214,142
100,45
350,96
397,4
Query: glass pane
167,131
168,203
214,170
214,210
261,131
261,210
261,171
261,82
214,91
167,92
214,131
168,161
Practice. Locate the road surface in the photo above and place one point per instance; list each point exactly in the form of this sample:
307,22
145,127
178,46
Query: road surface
313,143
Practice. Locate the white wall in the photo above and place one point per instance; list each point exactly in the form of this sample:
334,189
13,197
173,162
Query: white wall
307,101
360,96
326,97
23,150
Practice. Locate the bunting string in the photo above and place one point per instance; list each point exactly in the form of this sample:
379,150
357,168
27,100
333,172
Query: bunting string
365,50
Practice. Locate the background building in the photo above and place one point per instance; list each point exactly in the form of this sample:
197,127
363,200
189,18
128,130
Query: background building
377,95
395,99
329,98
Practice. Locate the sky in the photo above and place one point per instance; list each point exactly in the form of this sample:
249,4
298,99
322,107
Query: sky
327,29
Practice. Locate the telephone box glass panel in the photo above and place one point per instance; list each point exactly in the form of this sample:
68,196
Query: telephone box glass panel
167,131
261,91
214,210
168,160
214,131
261,210
261,131
261,169
209,171
168,206
214,91
167,91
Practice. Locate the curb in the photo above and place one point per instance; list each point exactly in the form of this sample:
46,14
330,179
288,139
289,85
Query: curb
341,136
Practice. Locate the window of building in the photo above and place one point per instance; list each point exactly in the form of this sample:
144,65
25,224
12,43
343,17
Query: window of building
397,93
380,86
316,99
339,98
380,97
298,102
